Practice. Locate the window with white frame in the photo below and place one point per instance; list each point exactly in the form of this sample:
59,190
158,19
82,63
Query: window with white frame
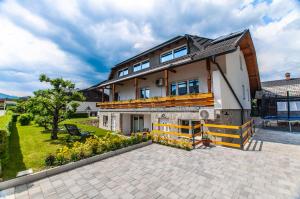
123,72
172,54
141,66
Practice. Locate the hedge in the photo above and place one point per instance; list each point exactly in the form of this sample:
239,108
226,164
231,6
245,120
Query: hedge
79,115
6,127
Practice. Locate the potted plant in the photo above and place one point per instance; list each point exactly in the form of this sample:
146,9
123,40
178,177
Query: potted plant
206,140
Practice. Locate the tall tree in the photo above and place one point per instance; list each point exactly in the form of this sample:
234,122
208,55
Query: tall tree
56,103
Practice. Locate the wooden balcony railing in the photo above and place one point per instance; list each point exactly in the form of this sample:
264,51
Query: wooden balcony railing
201,99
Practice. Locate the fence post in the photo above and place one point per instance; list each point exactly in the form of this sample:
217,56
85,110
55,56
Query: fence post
253,126
241,138
193,134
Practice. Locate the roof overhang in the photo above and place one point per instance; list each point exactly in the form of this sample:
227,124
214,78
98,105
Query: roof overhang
247,47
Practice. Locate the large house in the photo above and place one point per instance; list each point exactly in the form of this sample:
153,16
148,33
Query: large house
171,82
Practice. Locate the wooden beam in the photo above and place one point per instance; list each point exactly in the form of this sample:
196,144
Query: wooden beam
208,68
166,74
136,82
248,54
113,92
172,70
102,94
143,78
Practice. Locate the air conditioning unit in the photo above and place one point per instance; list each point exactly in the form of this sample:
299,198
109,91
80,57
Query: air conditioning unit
207,113
160,82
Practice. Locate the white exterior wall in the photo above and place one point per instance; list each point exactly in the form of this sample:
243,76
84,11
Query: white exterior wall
150,82
224,99
126,91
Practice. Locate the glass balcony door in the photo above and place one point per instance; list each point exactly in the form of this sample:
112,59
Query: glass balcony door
137,123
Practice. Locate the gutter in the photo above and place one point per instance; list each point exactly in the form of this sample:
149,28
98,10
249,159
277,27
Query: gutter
213,60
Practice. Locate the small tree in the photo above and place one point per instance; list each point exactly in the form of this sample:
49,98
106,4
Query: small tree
55,104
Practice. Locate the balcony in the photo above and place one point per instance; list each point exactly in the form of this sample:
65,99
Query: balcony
201,99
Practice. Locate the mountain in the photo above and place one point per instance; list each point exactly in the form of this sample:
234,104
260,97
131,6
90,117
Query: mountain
4,96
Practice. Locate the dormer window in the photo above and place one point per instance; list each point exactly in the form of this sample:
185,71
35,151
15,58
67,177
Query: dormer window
140,66
123,72
172,54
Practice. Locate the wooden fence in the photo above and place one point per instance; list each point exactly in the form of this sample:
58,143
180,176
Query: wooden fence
237,138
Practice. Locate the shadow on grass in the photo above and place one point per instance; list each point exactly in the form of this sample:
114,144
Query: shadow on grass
15,161
60,140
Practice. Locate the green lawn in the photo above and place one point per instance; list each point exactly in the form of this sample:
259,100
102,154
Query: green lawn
30,144
4,120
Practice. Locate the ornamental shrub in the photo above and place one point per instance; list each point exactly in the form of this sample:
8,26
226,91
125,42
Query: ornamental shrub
50,160
25,119
93,146
169,141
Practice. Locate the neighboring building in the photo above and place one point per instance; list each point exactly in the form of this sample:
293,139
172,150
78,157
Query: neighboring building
92,96
171,82
6,103
2,101
280,99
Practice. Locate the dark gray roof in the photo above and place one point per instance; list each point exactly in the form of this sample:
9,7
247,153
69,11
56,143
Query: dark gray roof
280,87
205,48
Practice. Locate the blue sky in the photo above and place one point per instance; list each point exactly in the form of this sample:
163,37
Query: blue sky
82,40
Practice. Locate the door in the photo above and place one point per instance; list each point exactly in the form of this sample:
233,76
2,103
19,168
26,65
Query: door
116,97
137,123
164,121
113,123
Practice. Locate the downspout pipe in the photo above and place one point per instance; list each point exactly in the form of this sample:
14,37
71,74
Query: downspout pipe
213,60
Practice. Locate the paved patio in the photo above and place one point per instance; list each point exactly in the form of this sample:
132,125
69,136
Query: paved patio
270,168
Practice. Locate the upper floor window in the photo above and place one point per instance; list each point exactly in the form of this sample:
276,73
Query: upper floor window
194,86
184,87
123,72
141,66
175,53
179,52
145,93
166,57
173,89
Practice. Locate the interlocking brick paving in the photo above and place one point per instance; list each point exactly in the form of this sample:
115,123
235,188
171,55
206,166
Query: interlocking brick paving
268,168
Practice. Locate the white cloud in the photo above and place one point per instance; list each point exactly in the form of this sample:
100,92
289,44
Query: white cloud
23,57
277,45
76,38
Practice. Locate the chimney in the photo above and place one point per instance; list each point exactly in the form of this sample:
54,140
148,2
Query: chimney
287,76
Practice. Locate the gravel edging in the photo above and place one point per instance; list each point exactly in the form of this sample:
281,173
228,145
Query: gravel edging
56,170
